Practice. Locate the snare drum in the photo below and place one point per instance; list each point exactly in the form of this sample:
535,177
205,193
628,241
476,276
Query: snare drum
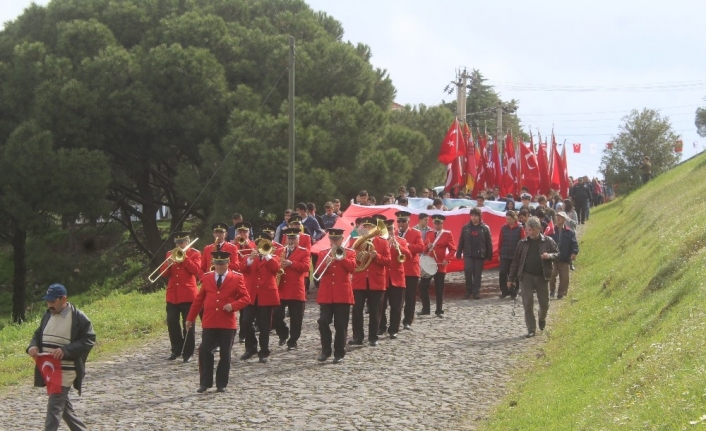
428,266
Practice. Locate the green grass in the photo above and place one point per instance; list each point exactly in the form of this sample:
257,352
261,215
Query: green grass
626,350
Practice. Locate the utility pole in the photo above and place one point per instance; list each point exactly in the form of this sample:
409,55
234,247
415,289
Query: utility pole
290,177
499,127
461,97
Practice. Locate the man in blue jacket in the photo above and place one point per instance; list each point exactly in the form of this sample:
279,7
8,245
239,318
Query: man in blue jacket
565,239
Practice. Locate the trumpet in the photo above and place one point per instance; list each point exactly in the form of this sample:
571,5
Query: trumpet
178,256
241,241
400,257
338,253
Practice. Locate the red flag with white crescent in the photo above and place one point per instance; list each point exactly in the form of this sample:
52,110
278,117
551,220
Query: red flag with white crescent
50,369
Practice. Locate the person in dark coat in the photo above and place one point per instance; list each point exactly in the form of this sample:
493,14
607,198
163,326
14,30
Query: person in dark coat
476,246
66,334
565,239
510,234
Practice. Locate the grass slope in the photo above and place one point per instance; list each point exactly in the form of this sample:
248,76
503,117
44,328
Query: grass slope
627,350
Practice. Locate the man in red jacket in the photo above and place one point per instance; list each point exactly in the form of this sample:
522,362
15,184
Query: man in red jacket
260,272
335,296
295,261
222,293
369,284
441,246
411,266
219,244
394,294
181,291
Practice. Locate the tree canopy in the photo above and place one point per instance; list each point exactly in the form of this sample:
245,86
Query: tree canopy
643,133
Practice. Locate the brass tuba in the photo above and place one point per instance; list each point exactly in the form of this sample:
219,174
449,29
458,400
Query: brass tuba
364,245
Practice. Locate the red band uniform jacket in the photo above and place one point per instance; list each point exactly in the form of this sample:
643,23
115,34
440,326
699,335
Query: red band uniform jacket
182,277
212,300
397,270
445,247
225,246
291,285
376,273
335,284
260,280
416,247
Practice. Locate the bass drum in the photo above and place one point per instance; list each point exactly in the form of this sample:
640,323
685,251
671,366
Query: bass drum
428,266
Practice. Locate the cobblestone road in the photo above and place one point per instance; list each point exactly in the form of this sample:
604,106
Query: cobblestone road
430,378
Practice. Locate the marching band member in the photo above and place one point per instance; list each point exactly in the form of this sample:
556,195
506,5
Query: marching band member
441,246
270,229
412,273
181,291
369,284
394,294
260,273
222,293
295,261
335,296
219,244
295,220
243,246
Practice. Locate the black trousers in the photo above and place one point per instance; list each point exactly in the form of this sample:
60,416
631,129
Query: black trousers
438,287
338,314
374,298
473,270
210,339
504,271
263,316
394,296
176,325
581,208
296,317
410,298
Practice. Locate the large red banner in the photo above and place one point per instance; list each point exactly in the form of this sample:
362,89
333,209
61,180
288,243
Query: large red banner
455,220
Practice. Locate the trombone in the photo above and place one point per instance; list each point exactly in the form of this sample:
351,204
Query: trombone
339,253
178,256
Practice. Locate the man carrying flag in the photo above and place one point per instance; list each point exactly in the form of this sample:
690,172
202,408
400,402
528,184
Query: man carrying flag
65,334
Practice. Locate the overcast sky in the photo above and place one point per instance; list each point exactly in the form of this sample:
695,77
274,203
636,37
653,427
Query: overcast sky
577,66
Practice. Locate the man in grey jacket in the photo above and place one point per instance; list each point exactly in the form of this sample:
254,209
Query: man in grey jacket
66,333
532,265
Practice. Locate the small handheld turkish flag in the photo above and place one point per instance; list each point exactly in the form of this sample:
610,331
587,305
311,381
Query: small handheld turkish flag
50,368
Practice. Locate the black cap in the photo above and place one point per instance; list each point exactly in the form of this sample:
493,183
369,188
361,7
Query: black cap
438,217
262,235
526,196
358,221
402,215
334,233
267,227
291,231
295,218
220,257
379,217
390,222
243,225
219,227
181,235
369,220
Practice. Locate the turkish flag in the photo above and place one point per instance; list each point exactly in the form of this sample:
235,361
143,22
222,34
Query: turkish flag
529,171
565,183
454,175
471,171
543,165
449,147
455,220
556,170
609,145
482,179
497,166
577,148
678,146
510,173
50,369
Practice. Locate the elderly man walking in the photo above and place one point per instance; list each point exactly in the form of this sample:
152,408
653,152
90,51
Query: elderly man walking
532,266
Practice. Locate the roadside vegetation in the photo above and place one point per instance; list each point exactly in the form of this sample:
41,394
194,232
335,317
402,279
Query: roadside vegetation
625,350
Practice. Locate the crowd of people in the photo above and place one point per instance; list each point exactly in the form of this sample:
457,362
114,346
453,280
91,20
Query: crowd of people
266,273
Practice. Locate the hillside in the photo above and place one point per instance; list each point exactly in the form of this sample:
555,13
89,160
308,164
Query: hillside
626,351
